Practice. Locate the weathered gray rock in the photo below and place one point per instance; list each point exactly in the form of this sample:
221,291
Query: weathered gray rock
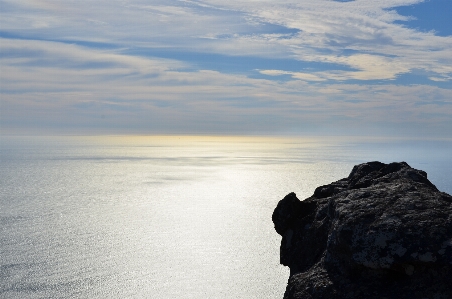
383,232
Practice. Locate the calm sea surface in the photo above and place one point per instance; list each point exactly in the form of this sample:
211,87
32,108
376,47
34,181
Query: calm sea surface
166,217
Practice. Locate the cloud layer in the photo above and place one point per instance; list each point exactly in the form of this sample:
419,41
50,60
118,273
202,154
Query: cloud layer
164,67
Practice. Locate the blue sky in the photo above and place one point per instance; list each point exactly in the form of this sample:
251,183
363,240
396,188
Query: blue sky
381,67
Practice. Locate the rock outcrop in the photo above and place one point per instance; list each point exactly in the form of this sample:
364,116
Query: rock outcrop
385,231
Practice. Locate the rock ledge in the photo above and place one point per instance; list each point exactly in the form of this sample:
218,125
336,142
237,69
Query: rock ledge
385,231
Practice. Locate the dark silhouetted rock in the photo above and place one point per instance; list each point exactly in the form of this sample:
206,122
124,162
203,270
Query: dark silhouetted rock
385,231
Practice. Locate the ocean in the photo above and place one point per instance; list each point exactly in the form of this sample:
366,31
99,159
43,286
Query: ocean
167,216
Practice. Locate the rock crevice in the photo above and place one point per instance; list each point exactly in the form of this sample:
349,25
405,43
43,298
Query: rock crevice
384,231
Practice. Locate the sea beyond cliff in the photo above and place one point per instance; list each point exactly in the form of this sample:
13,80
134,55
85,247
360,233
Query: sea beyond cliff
167,216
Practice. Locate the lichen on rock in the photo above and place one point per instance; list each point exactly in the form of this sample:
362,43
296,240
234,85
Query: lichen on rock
384,231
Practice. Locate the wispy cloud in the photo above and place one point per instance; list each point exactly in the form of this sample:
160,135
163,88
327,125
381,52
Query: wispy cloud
326,30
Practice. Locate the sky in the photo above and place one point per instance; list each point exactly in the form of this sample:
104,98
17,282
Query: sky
248,67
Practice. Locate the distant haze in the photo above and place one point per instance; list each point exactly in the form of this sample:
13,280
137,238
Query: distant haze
381,67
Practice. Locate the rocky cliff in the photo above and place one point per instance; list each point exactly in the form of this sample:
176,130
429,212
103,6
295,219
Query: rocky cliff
385,231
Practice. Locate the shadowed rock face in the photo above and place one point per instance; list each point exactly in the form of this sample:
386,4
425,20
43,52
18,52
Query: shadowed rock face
385,231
